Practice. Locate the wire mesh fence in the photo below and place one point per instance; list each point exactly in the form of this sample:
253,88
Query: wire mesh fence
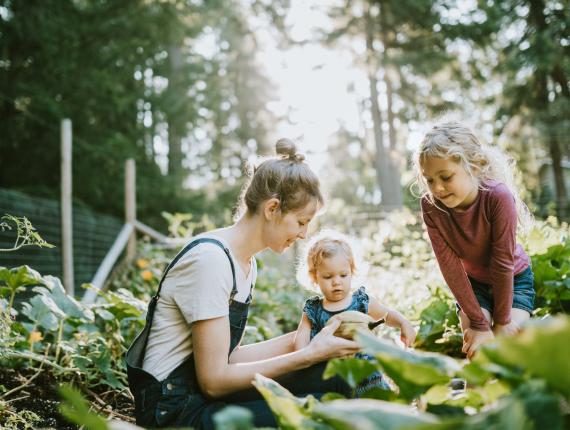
93,235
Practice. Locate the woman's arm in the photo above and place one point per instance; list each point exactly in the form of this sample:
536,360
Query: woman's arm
217,377
393,319
261,350
303,336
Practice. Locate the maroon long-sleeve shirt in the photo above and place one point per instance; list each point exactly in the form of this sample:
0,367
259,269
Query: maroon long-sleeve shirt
480,243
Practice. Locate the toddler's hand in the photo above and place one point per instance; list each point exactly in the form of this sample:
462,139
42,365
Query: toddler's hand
473,339
407,333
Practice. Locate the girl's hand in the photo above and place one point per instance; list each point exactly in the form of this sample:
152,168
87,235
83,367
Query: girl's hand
326,346
509,329
407,333
473,339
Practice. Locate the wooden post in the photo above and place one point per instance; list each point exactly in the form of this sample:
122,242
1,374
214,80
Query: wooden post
66,208
130,205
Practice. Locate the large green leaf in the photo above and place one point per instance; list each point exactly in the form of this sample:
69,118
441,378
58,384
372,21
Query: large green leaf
234,418
413,372
364,414
43,311
19,277
530,407
291,413
540,350
71,307
352,370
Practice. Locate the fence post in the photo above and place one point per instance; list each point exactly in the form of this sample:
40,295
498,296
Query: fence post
130,206
67,207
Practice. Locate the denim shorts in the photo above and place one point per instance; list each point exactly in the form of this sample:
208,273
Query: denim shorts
523,295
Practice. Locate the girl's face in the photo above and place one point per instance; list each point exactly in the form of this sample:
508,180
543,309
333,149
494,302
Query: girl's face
286,228
449,182
334,277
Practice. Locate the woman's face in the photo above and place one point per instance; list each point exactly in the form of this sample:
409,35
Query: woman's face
286,228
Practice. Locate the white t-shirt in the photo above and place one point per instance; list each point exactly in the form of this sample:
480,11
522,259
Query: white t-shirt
197,288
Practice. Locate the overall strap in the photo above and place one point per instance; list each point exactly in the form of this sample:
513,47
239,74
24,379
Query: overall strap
188,248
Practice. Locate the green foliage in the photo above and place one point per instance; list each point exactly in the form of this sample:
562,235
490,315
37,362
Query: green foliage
369,414
76,409
413,372
26,234
532,400
234,418
88,339
439,326
352,370
290,412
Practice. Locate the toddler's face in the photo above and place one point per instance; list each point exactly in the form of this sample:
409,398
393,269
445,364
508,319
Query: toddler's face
449,182
334,276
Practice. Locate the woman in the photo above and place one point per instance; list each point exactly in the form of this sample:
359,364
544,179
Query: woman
188,363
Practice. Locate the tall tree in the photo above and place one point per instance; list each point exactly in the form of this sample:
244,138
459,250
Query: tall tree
531,39
404,51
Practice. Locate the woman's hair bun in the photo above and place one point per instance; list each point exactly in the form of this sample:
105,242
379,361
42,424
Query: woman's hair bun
287,148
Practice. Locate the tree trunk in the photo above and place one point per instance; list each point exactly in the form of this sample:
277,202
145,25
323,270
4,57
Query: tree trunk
537,20
394,156
176,125
382,161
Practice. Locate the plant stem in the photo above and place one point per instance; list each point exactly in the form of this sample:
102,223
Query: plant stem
19,387
58,341
11,303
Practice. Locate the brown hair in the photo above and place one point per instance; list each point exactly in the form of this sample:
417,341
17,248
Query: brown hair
326,248
285,177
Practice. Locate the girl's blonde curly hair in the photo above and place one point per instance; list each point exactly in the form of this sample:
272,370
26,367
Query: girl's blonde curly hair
454,140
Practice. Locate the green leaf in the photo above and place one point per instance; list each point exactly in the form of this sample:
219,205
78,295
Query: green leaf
76,409
19,277
370,414
43,311
352,370
413,372
540,350
71,307
234,418
289,411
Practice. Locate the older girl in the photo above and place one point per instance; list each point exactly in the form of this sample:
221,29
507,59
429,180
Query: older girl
471,208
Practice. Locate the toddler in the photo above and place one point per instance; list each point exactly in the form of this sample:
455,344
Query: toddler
330,264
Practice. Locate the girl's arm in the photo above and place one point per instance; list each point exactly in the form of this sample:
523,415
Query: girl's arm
303,336
218,377
393,319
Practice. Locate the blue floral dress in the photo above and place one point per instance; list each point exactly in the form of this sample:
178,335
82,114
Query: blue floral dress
318,316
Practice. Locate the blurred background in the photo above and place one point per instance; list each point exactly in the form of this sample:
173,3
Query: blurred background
193,89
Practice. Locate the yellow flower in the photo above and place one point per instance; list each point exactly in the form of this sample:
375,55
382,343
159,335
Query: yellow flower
146,275
142,263
35,336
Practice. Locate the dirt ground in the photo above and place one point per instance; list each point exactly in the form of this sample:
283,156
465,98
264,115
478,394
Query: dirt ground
41,397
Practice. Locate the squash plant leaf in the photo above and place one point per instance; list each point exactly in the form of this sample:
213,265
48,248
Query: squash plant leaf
413,372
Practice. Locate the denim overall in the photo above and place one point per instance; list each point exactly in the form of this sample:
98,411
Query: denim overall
177,401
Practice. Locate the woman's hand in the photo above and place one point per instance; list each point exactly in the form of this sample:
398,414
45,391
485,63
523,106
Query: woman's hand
473,339
509,329
407,333
326,346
